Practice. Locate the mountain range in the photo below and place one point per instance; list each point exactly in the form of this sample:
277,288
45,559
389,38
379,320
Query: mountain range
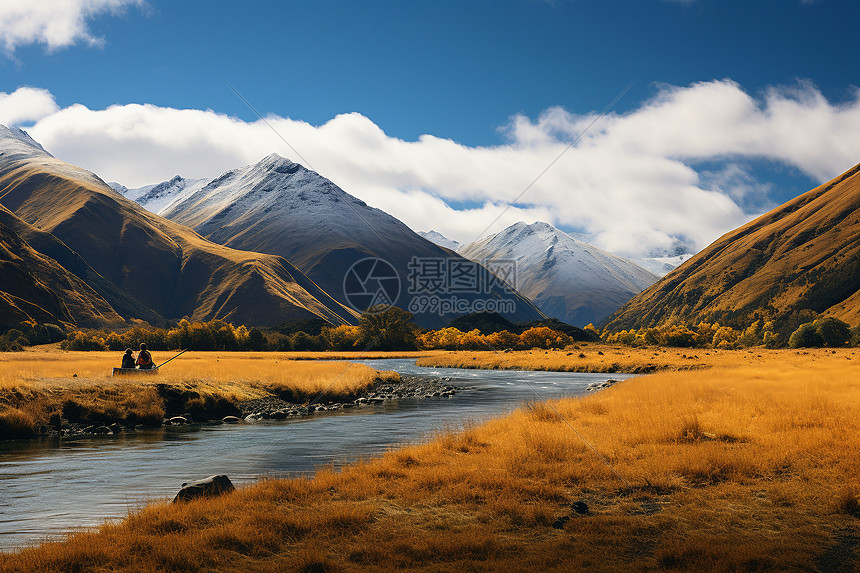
138,264
274,242
280,207
798,261
566,278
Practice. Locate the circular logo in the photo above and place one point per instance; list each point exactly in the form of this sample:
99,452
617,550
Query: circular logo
371,285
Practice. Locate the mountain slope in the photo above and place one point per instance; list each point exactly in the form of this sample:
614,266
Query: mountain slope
800,258
164,266
280,207
47,244
566,278
36,287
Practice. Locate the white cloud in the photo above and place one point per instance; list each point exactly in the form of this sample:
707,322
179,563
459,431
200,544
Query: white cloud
737,182
54,23
628,181
26,105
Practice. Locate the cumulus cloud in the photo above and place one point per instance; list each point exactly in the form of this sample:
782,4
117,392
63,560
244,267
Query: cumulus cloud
25,105
630,181
54,23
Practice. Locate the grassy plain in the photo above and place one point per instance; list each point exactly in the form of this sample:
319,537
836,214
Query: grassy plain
753,466
593,357
37,385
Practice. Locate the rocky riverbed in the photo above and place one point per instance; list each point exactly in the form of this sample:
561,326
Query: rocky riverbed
273,408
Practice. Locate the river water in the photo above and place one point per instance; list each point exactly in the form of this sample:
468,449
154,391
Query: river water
51,487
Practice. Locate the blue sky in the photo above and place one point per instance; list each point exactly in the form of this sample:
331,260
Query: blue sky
465,71
456,69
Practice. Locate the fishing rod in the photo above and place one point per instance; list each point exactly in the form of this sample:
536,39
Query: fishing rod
174,358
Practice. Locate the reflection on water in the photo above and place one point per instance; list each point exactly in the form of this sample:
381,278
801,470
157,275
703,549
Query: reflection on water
51,486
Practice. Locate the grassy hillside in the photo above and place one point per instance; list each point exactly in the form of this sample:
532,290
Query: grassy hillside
163,267
35,287
798,260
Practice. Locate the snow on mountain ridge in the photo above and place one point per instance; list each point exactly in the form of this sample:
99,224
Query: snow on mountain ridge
565,277
20,137
661,266
159,197
440,239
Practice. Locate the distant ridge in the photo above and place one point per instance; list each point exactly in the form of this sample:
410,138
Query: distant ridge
795,262
566,278
440,239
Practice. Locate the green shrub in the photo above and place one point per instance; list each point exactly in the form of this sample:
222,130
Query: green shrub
806,336
827,331
833,332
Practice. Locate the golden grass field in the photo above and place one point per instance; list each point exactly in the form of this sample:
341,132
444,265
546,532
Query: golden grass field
747,467
38,383
596,357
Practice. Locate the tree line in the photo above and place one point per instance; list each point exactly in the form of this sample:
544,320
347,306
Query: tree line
821,332
394,329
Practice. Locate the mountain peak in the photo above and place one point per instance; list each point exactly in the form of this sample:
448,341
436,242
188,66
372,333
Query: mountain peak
277,163
543,226
9,136
565,277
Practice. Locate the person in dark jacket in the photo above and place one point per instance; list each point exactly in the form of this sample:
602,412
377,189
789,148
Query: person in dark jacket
144,358
128,359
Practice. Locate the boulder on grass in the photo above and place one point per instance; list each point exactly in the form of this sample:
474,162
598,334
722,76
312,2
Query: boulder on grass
209,487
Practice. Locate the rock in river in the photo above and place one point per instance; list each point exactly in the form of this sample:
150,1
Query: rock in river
209,487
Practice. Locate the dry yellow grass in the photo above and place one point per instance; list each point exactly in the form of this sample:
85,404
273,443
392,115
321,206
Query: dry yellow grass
748,468
35,385
590,357
360,355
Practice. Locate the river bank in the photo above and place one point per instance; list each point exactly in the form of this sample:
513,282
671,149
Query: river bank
70,394
270,407
136,468
725,469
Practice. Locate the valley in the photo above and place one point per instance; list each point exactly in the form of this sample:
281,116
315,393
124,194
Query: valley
645,357
688,470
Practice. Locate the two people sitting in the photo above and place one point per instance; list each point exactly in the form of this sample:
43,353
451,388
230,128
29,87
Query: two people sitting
144,359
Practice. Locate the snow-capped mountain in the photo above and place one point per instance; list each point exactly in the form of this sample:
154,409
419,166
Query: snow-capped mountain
161,196
440,239
94,257
566,278
661,266
279,207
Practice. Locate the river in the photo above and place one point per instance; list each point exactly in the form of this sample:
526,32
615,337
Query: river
51,487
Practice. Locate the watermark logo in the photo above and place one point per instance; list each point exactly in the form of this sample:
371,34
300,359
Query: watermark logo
437,285
447,286
371,283
445,275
